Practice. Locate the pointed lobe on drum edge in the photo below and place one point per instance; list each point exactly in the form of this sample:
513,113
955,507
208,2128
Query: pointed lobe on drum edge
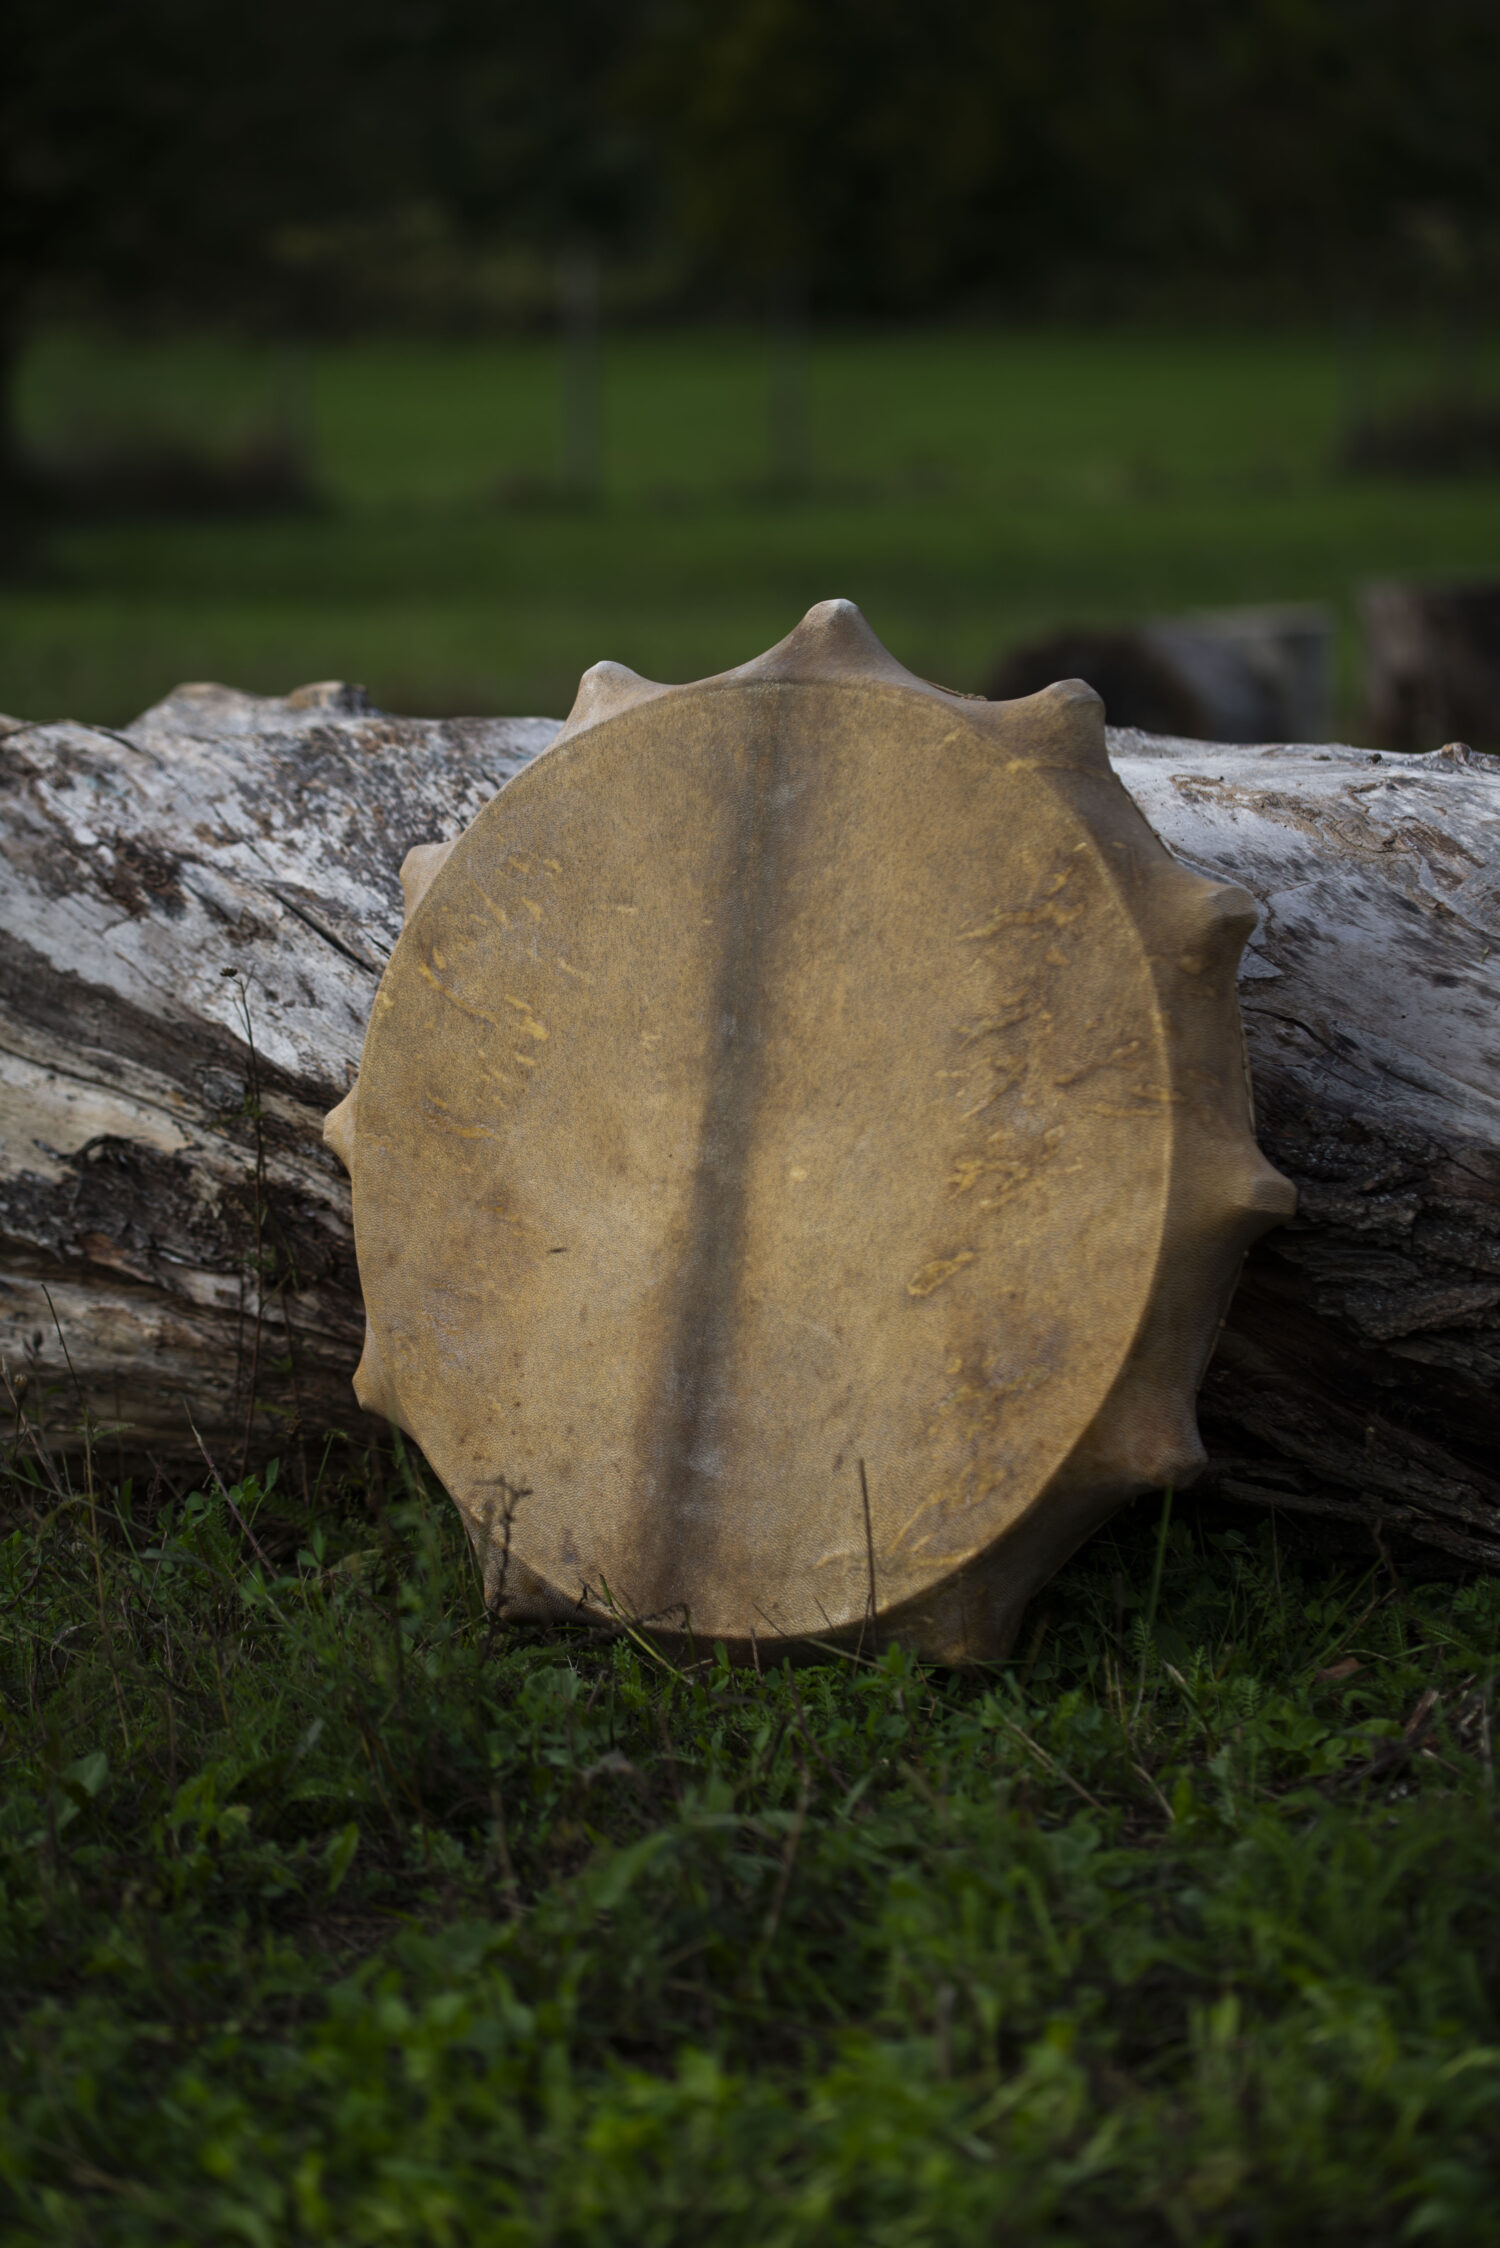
419,870
338,1128
604,691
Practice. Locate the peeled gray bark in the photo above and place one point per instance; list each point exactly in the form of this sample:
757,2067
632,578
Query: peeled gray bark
193,917
194,914
1356,1377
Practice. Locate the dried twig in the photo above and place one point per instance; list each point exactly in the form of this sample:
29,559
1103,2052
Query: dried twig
226,1495
1058,1771
788,1860
870,1606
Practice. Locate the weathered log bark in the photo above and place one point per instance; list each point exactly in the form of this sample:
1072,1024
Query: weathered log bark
193,916
1356,1379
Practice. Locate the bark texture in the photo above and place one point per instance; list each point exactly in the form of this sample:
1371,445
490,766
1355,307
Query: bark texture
194,914
1356,1378
193,918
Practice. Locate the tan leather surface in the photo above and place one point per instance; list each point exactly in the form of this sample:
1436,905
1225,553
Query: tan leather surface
800,1089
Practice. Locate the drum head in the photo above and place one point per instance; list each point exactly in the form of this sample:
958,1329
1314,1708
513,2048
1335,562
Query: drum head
769,1140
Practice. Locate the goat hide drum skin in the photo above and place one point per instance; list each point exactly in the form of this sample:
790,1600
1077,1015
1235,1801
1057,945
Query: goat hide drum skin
802,1154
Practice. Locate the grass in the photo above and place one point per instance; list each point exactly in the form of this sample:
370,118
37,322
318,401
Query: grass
966,489
328,1913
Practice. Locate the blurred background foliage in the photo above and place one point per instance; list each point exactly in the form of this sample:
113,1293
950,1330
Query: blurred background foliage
456,344
997,154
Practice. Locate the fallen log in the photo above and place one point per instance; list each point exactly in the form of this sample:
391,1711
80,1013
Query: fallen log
194,914
1356,1377
193,917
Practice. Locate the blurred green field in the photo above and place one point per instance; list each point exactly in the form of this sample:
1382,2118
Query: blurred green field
967,489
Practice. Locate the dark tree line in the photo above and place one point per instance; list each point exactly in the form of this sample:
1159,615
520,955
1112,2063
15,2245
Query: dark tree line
152,151
1012,150
155,155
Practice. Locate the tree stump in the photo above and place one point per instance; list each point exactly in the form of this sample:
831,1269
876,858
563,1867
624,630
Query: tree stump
196,912
1233,675
1432,663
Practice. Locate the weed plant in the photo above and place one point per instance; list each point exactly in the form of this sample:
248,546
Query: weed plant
331,1912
